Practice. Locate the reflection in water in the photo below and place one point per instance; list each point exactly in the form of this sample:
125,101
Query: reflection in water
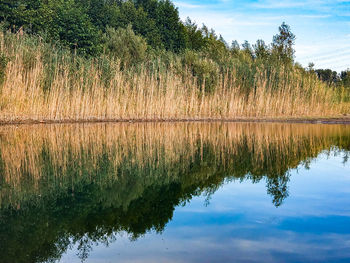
82,184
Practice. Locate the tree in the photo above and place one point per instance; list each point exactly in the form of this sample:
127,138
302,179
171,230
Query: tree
101,13
261,50
7,8
166,17
327,75
282,45
215,47
310,67
18,13
170,26
142,23
247,49
345,78
194,37
72,26
235,48
62,20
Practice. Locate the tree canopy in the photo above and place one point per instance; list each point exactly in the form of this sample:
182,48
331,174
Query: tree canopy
80,23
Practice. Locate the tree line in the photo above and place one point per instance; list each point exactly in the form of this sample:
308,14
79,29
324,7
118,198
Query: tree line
84,24
81,24
332,77
135,31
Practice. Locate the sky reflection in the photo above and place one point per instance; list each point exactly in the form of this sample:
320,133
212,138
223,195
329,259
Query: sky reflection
241,224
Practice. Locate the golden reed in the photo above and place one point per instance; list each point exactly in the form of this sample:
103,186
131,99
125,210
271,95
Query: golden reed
160,95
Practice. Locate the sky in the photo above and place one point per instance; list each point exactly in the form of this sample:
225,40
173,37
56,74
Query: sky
322,27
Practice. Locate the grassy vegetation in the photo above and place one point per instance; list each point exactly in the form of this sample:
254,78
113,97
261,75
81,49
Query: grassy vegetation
135,59
42,81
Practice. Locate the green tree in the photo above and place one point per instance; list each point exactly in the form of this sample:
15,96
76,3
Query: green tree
215,47
204,69
194,37
17,13
283,43
72,26
168,22
63,20
235,48
170,26
141,22
327,75
261,50
248,50
101,13
7,8
345,78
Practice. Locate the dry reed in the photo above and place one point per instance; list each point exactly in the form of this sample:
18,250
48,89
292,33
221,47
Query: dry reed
83,94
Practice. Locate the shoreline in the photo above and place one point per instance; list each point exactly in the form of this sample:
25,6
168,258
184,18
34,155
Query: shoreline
311,120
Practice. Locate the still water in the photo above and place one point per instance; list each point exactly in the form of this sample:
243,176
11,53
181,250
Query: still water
175,192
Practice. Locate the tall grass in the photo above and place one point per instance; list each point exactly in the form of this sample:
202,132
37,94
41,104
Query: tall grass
43,82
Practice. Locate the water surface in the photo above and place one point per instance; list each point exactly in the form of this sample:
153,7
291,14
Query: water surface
175,192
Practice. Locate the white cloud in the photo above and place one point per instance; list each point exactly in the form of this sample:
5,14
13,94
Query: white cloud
314,22
273,4
187,5
306,4
315,16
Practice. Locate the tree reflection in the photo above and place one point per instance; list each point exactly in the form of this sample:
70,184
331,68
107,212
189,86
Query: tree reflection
68,185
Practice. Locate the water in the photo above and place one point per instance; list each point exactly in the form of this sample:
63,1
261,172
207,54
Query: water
185,192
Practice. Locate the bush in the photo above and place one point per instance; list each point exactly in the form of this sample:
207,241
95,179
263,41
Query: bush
205,70
125,45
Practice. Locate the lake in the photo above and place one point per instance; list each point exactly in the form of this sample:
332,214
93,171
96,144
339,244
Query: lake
175,192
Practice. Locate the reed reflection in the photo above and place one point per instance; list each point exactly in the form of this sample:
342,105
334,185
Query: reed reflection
81,184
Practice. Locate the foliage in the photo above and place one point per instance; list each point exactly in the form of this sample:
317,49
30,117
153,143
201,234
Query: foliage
261,50
345,78
3,64
150,33
125,45
73,27
331,77
282,45
194,37
204,69
327,75
167,19
79,23
158,85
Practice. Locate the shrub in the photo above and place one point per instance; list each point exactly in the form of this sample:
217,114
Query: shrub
205,70
125,45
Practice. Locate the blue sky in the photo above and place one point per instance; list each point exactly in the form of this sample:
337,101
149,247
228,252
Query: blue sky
322,27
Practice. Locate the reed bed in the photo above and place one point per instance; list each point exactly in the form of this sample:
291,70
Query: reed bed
45,83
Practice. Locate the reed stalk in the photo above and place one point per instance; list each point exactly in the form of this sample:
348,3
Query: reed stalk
46,83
